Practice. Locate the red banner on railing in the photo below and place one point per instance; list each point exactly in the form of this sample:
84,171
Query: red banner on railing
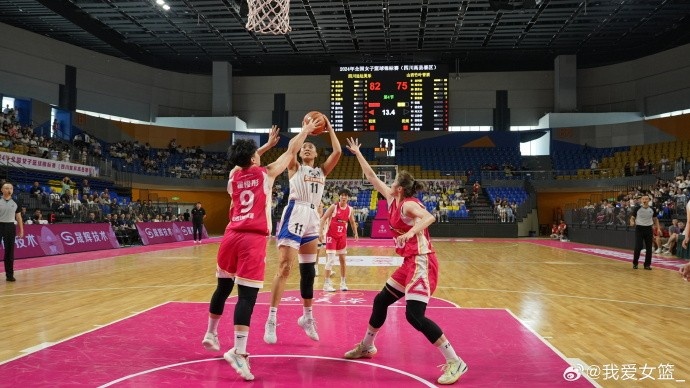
57,239
165,232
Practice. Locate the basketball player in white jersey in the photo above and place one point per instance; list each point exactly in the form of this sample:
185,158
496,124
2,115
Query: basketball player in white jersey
298,234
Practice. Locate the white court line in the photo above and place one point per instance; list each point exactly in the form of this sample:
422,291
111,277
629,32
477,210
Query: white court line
38,347
97,327
553,348
402,372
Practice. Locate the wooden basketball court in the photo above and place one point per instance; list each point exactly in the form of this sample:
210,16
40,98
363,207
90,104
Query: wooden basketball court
623,326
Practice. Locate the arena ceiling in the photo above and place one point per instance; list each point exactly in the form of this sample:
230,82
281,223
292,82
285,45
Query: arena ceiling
467,35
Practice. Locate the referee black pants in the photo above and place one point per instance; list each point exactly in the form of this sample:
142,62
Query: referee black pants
643,234
8,232
196,230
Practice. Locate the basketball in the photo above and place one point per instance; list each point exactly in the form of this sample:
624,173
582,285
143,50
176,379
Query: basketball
313,115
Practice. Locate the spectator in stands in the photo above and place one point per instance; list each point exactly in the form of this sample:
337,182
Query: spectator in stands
365,213
679,166
36,191
661,236
85,186
443,211
38,217
66,185
664,163
25,215
61,207
627,170
562,231
554,231
674,230
594,165
74,203
476,187
437,211
501,210
622,210
172,146
510,212
186,215
91,219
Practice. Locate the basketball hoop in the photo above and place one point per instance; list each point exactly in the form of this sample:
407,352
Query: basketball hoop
269,16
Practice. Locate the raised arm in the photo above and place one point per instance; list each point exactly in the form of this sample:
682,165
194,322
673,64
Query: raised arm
353,145
290,155
273,138
334,157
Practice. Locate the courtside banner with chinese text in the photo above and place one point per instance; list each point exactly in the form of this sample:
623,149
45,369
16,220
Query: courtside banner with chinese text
49,240
166,232
33,163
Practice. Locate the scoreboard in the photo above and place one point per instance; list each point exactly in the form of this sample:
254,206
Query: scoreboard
389,98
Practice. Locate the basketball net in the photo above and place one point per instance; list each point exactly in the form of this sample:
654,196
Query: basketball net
269,16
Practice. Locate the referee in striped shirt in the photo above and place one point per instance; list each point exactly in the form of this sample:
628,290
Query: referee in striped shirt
643,217
9,213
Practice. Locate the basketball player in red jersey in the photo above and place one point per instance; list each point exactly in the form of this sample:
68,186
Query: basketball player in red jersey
337,217
416,278
242,252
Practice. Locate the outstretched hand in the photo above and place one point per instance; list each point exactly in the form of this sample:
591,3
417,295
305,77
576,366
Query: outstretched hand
273,136
353,145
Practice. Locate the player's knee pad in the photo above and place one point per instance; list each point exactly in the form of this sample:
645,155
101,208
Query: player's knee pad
379,311
414,313
306,258
245,304
220,295
306,281
330,260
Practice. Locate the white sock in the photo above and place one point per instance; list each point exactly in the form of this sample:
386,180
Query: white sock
273,314
308,313
448,352
213,325
342,279
368,340
241,341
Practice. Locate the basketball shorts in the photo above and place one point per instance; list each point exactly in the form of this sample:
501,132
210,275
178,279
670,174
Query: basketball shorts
299,225
242,256
336,244
417,277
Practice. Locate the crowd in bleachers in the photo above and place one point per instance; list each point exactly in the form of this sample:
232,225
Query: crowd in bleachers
174,161
445,199
17,138
668,196
506,201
